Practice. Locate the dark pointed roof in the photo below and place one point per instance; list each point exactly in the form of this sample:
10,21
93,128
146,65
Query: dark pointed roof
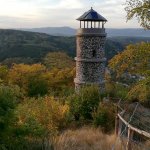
91,15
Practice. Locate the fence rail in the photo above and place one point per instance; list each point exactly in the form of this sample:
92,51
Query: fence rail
130,129
146,134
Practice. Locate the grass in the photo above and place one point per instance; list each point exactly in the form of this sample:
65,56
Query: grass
84,139
88,139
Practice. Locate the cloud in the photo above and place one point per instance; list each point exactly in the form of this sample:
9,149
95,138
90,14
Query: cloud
68,4
14,22
37,13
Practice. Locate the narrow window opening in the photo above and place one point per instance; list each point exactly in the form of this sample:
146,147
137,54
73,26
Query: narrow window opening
94,53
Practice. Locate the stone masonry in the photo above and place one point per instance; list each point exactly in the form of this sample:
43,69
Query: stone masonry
90,60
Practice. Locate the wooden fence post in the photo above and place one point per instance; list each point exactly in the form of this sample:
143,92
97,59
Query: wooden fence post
129,140
117,122
117,125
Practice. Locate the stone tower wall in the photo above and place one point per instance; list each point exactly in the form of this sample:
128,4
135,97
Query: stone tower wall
90,60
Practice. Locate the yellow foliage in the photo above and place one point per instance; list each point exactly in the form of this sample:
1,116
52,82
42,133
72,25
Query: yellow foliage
3,72
140,91
58,60
19,74
135,59
47,112
25,76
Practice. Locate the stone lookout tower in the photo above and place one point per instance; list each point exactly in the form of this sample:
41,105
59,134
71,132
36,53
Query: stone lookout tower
90,60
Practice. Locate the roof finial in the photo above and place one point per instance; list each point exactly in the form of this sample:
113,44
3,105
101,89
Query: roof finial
91,8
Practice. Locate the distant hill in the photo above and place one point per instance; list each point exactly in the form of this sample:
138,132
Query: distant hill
137,32
15,43
67,31
22,46
56,31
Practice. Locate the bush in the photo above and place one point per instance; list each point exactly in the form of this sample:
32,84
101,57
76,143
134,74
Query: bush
82,104
117,90
105,116
37,86
37,121
41,117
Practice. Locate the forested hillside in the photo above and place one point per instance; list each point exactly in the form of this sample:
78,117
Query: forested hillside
29,47
15,43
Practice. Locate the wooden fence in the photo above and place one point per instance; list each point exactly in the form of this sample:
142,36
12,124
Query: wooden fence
131,130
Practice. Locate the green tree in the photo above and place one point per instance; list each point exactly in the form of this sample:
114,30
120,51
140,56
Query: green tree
8,103
139,9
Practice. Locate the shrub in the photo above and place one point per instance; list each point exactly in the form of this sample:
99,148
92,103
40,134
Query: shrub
41,117
105,116
37,86
85,102
121,91
117,90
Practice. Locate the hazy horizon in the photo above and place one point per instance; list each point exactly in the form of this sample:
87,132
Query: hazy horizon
60,13
67,27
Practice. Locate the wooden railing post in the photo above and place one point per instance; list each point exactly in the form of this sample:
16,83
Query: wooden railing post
129,140
117,122
117,125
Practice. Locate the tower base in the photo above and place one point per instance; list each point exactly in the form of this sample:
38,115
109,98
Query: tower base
79,86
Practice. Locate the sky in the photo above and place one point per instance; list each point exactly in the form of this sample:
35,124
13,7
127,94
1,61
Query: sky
58,13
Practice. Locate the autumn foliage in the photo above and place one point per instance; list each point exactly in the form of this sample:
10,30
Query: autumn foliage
38,102
134,62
